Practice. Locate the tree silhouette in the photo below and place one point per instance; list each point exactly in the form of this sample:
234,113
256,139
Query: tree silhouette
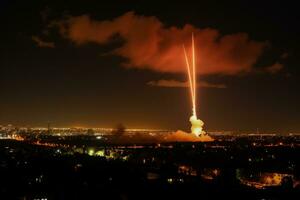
119,130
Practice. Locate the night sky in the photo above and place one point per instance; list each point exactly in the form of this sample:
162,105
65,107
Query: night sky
95,63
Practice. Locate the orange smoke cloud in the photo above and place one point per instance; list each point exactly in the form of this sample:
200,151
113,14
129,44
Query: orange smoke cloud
149,44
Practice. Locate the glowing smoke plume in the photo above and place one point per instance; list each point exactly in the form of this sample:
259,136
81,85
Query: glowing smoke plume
197,124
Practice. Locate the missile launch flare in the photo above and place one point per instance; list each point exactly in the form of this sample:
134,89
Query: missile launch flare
197,134
197,124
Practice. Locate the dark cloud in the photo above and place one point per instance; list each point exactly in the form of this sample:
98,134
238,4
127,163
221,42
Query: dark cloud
40,43
276,67
179,84
284,55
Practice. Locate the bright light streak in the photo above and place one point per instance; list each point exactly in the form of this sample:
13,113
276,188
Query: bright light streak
190,78
194,75
197,124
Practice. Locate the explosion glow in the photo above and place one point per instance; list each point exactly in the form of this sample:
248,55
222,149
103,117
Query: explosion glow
197,124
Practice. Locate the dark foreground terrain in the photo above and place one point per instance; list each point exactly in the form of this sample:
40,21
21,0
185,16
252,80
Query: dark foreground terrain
228,170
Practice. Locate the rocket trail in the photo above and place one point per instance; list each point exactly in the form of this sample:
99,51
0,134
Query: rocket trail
197,133
190,79
194,74
197,124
